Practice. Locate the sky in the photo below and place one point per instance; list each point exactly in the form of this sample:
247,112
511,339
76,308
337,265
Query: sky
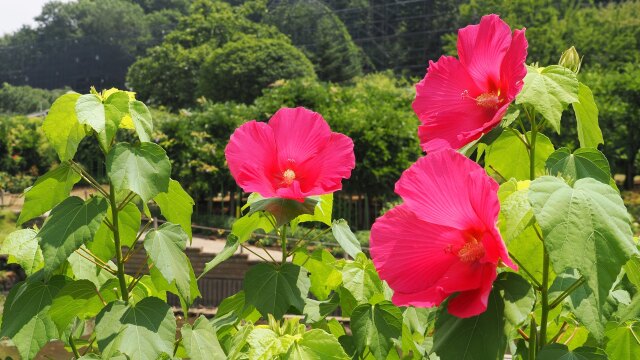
15,13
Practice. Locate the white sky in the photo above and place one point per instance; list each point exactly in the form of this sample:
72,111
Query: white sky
15,13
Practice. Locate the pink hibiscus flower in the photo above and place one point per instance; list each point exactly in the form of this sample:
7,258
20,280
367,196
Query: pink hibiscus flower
443,240
294,156
459,100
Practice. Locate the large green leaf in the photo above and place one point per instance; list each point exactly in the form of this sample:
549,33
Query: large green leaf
589,133
25,316
176,206
143,169
325,277
623,342
361,279
142,331
345,237
265,344
375,327
509,157
71,223
62,128
48,191
315,345
165,247
78,298
518,297
480,337
562,352
583,163
141,120
273,289
230,248
284,210
200,340
549,91
85,269
22,248
103,244
90,111
588,219
316,311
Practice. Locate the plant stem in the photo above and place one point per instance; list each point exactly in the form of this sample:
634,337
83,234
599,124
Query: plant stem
533,332
521,267
116,239
88,178
73,347
567,292
283,240
545,299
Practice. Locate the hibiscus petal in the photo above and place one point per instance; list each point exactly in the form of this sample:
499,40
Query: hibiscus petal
435,189
445,104
324,172
251,157
481,49
412,255
474,302
300,134
513,69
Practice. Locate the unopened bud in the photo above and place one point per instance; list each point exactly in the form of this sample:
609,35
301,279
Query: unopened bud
571,60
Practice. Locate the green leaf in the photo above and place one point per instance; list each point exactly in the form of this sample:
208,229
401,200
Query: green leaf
623,342
62,128
142,331
143,169
71,223
562,352
325,277
284,210
322,212
476,338
165,247
25,316
22,248
509,157
265,344
103,244
549,91
589,133
48,191
345,237
375,326
230,248
317,344
141,120
243,227
361,279
90,111
273,289
200,340
176,206
316,311
78,298
518,297
515,210
583,163
589,219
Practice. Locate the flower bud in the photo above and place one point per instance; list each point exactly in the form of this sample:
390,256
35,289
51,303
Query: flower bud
571,60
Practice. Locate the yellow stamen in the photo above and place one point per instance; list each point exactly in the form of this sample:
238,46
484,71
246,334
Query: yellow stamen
288,176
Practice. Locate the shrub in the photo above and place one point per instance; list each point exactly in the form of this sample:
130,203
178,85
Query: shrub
25,99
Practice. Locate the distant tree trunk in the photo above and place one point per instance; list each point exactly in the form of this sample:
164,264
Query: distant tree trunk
630,173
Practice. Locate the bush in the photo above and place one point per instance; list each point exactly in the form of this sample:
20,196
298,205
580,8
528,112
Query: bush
23,149
25,99
241,69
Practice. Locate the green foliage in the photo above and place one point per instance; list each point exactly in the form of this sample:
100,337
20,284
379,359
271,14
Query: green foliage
321,35
25,99
375,327
239,70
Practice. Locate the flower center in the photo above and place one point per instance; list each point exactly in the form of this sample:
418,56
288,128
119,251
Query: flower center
488,100
471,251
288,176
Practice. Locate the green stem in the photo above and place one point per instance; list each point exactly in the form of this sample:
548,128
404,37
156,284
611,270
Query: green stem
283,240
567,292
116,239
76,353
533,332
88,178
545,299
521,267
